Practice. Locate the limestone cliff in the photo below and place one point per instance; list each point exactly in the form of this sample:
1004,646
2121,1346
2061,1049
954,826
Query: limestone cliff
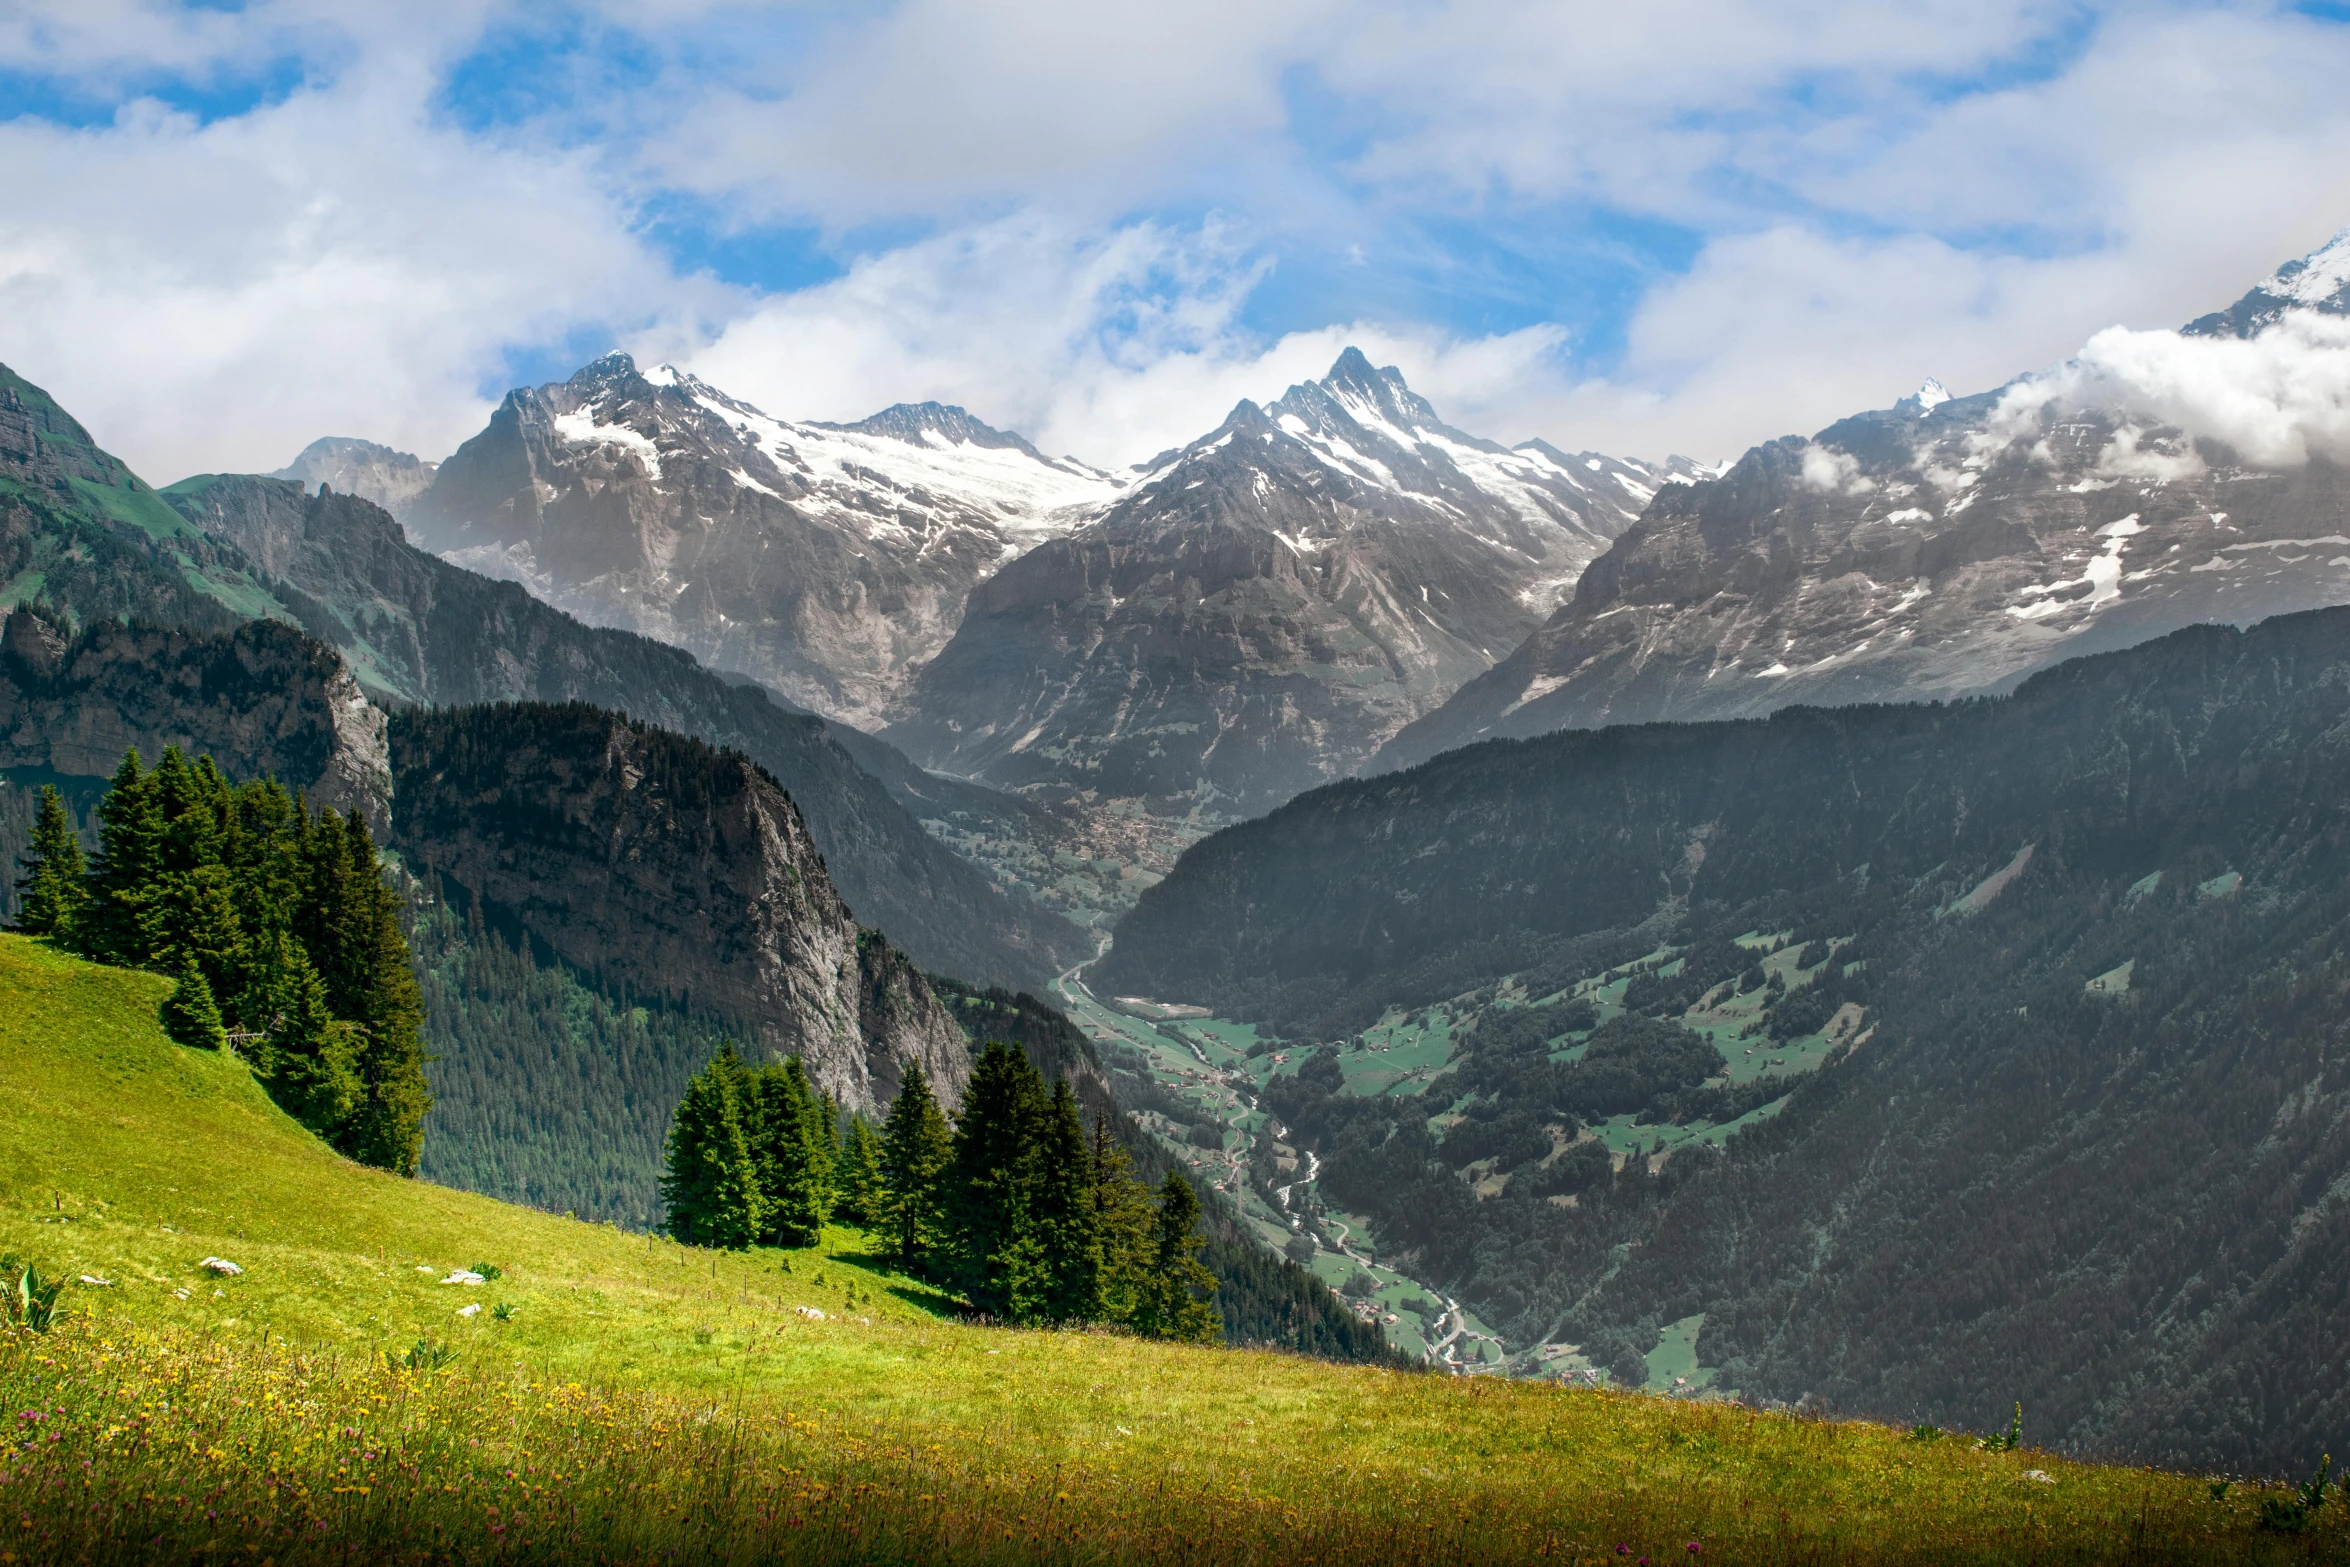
662,866
263,699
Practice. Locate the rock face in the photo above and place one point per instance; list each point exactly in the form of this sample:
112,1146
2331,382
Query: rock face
351,466
824,561
1939,548
665,867
264,699
420,630
1269,604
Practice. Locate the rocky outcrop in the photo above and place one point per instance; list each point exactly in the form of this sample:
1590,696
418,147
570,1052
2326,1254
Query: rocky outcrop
1269,604
264,700
391,479
664,867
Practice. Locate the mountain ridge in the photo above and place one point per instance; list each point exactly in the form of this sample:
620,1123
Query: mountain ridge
1352,560
1945,547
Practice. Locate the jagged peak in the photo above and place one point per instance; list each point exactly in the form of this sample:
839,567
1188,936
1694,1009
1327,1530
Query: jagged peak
2319,281
916,423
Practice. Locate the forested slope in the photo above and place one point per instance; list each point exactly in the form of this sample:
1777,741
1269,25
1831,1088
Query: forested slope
2058,981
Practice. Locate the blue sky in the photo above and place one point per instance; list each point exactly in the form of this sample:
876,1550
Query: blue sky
1684,226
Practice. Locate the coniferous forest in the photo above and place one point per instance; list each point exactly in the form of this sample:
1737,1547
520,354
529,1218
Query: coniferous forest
1017,1207
276,926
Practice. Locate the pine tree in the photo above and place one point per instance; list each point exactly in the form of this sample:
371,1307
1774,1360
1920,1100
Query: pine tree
386,1129
1171,1306
190,1015
857,1182
915,1149
308,1058
51,896
709,1185
991,1181
790,1139
1062,1213
1126,1223
130,833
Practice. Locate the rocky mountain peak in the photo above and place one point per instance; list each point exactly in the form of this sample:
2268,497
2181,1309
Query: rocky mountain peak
351,466
2319,281
824,561
1266,602
937,424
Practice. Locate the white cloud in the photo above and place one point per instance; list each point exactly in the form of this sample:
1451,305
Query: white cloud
215,296
2278,399
344,261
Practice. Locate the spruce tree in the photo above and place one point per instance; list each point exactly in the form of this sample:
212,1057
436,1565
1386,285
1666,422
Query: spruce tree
790,1139
1127,1224
50,895
857,1183
1171,1305
709,1186
308,1058
190,1015
991,1182
1062,1213
915,1149
386,1129
130,834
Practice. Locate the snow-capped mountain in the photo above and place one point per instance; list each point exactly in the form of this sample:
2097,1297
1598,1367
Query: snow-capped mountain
824,561
1942,547
350,466
1270,602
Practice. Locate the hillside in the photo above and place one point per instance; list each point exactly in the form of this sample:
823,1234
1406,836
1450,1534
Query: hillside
1934,1055
1943,547
641,1400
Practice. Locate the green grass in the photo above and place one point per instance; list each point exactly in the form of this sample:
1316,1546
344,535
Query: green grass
650,1403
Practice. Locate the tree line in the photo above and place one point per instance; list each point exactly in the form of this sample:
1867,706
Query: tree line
275,923
1014,1205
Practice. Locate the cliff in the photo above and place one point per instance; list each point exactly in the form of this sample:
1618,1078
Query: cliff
263,699
664,867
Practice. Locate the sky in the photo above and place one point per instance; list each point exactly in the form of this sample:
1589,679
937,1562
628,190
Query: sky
1680,226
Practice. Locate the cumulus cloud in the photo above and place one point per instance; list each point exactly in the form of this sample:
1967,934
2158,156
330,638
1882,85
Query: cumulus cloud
1862,195
2278,399
213,297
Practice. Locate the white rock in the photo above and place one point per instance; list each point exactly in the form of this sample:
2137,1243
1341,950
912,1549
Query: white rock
811,1313
464,1276
220,1265
467,1311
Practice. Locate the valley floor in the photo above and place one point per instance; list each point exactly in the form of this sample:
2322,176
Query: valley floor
335,1398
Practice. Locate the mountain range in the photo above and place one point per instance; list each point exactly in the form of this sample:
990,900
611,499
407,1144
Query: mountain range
1268,604
823,561
1943,547
1239,618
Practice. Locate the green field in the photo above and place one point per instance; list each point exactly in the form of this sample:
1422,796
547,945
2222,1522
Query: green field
645,1402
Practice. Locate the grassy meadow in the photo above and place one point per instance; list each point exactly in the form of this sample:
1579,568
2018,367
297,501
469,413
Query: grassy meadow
634,1400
